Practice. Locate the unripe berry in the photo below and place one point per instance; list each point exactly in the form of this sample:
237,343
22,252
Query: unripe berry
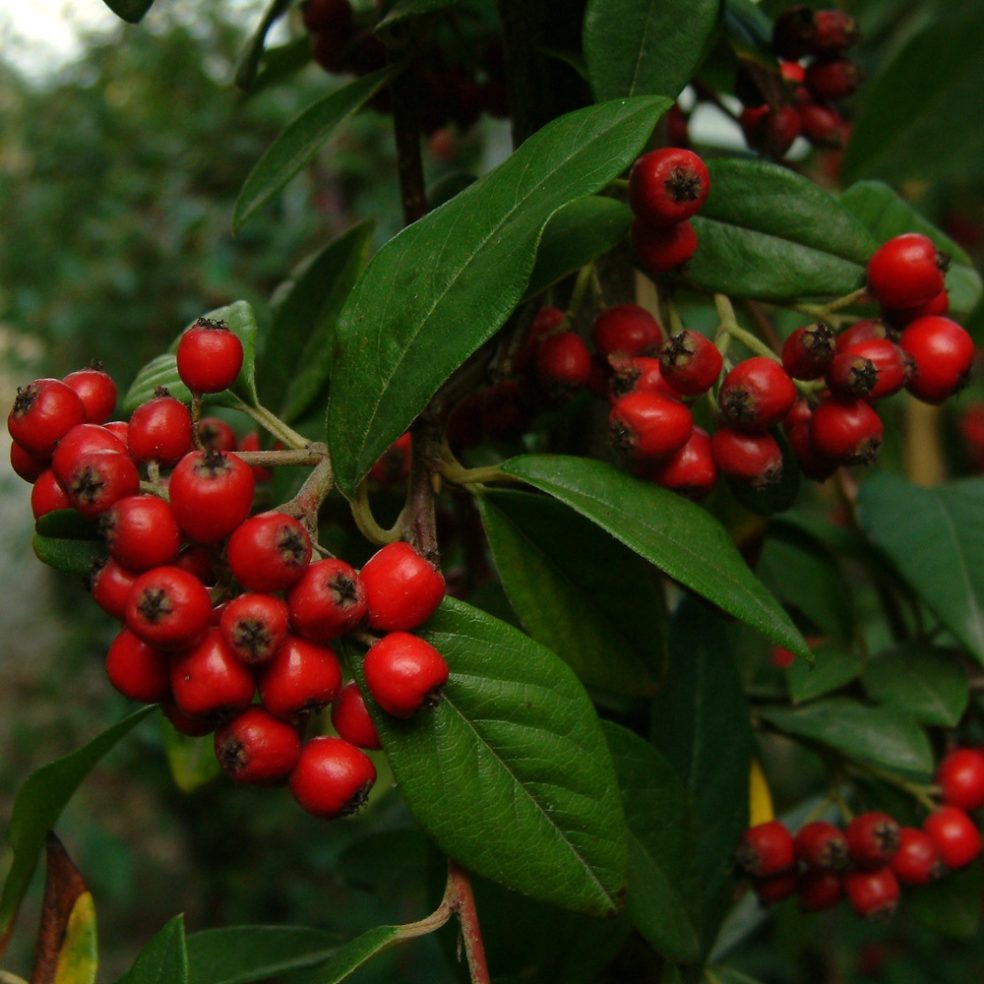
808,351
752,459
350,718
663,249
332,778
404,673
766,849
255,747
668,185
211,493
160,430
960,777
690,363
209,679
402,588
756,394
626,328
822,846
44,412
328,601
209,356
943,354
955,835
137,670
141,532
269,552
847,433
917,861
96,390
873,894
168,607
302,677
872,839
906,271
254,626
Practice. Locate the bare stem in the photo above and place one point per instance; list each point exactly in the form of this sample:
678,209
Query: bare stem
406,130
420,518
196,419
366,523
312,493
271,423
310,456
462,901
922,794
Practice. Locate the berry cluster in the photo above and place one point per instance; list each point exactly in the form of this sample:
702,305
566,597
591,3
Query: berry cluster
873,855
217,605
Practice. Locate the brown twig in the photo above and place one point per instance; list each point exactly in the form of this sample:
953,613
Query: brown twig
462,900
406,130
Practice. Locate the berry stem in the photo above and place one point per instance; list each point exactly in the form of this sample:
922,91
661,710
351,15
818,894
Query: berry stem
453,471
676,322
312,493
196,419
271,423
310,456
419,519
584,278
406,130
366,522
729,323
619,184
463,903
922,794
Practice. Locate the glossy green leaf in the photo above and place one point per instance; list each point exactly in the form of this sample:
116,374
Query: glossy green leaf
923,101
241,954
281,62
935,537
162,370
657,812
510,774
192,761
700,722
164,960
876,735
132,11
769,233
404,10
579,233
951,906
68,556
578,591
676,535
886,214
834,666
250,61
447,283
78,955
66,524
645,47
297,353
355,954
925,682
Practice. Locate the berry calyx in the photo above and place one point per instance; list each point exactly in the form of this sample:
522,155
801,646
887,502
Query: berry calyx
80,440
808,351
892,367
404,673
254,626
209,356
328,600
667,186
257,748
350,718
766,849
402,588
637,374
99,479
269,552
332,778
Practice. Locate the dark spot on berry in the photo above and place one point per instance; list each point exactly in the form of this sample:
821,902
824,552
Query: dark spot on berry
818,340
738,405
683,185
232,755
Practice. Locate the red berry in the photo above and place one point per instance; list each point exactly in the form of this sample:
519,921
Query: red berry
799,431
851,375
917,861
940,305
254,747
776,888
404,673
832,79
208,679
216,435
690,362
846,432
193,725
96,390
663,249
209,356
302,677
120,429
563,361
269,552
160,430
626,328
251,442
822,846
821,125
47,495
394,463
168,607
808,351
955,835
781,658
26,465
254,626
80,440
141,532
637,374
891,365
943,354
873,839
109,584
136,670
771,131
819,890
403,589
668,185
792,72
43,413
691,470
328,601
960,777
766,849
648,425
752,459
332,778
100,478
543,324
211,494
906,271
834,30
196,560
860,331
873,894
756,394
350,718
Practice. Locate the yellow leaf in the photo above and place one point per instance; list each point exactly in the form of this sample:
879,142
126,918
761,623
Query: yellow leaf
759,798
78,958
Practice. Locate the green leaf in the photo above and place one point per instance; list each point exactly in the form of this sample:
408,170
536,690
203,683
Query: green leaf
240,954
78,955
191,760
921,680
769,233
353,955
645,47
926,98
657,812
579,233
250,61
676,535
164,960
951,906
834,666
749,31
936,539
297,354
132,11
510,774
404,10
281,62
885,214
876,735
446,284
300,141
700,722
68,556
66,524
160,371
577,591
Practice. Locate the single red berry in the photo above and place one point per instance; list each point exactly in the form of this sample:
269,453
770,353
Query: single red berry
99,479
394,463
939,305
691,363
192,725
808,351
960,777
328,601
814,465
819,890
955,835
861,331
136,670
47,495
160,430
873,894
917,861
791,72
269,552
141,532
257,748
766,849
254,626
851,375
846,432
691,470
96,390
636,374
943,354
211,494
626,328
648,425
216,435
43,413
668,185
662,249
563,361
756,394
781,658
120,429
168,607
775,888
544,323
771,131
350,718
872,839
196,560
821,125
332,778
26,465
209,356
109,584
906,271
822,846
832,79
892,367
794,32
404,673
403,589
302,677
80,440
834,31
751,459
208,678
